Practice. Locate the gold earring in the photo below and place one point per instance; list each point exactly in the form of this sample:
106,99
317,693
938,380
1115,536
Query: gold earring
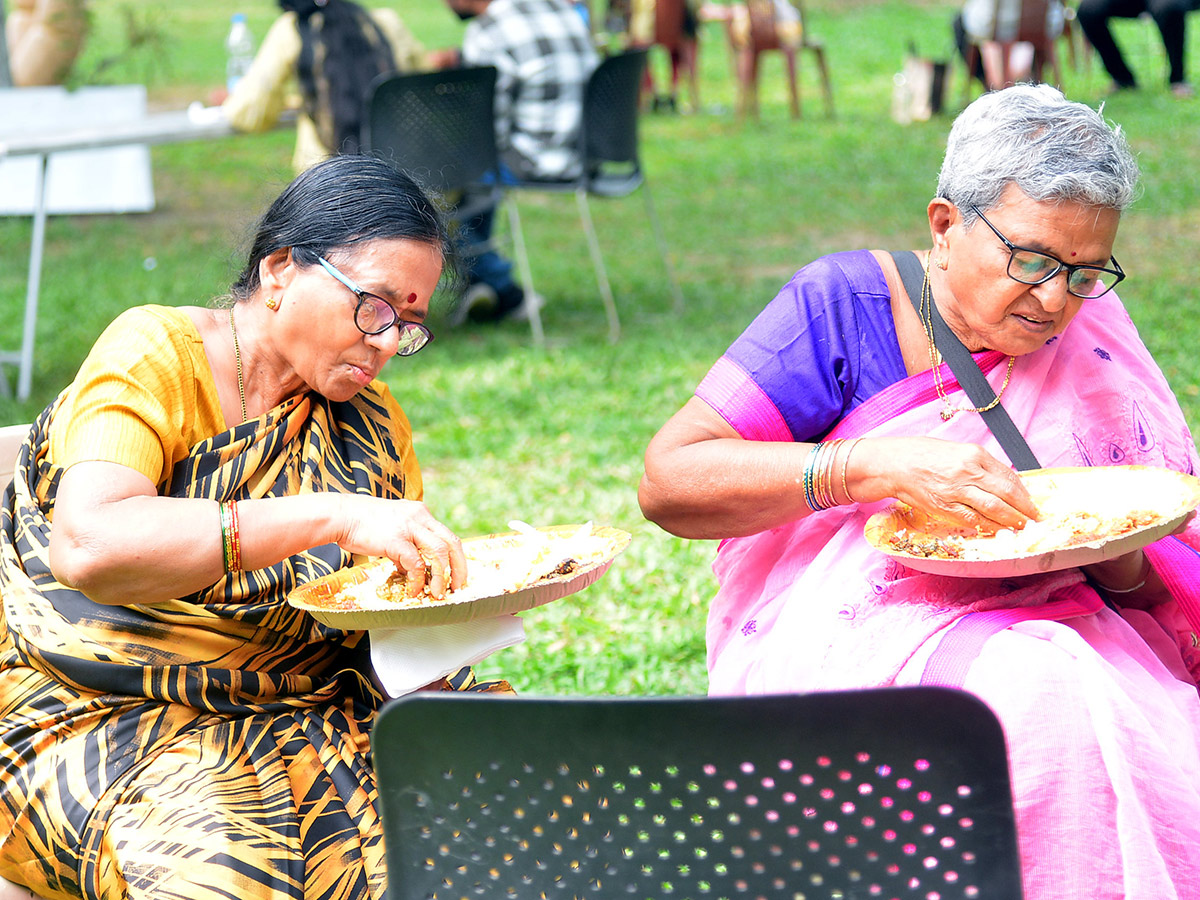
272,303
943,264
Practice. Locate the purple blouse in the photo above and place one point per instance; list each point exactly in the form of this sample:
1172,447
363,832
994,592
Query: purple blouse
825,344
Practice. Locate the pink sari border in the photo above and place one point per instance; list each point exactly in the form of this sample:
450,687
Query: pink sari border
1178,565
962,643
729,390
905,395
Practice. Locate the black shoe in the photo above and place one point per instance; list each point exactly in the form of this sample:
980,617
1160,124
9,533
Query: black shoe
478,304
509,300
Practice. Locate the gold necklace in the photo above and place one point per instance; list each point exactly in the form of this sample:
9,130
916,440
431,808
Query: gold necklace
237,355
926,314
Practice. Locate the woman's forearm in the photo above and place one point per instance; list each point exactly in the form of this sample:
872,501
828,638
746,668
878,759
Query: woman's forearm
168,547
724,488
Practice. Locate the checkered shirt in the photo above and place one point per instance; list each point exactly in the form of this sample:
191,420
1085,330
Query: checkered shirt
544,54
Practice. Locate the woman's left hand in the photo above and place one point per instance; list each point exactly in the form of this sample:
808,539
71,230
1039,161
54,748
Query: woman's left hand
1130,580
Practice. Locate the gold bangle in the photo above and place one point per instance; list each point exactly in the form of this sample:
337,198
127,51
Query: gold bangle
845,463
235,539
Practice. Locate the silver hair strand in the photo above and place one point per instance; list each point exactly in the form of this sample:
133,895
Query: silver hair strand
1051,148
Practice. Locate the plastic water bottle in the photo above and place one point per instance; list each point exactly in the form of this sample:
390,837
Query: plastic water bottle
239,46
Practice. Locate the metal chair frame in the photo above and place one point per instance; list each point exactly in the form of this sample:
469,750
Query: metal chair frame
608,147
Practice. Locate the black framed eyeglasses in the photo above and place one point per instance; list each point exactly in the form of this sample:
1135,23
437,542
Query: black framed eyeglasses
1034,267
374,315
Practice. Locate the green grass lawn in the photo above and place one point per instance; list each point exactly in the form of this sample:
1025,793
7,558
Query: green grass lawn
504,431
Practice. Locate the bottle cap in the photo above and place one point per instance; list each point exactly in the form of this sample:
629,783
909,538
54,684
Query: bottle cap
238,17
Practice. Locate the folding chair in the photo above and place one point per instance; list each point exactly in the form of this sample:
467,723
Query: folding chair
888,793
608,144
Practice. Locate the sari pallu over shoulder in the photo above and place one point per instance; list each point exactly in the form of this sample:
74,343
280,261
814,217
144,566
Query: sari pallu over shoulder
811,605
237,643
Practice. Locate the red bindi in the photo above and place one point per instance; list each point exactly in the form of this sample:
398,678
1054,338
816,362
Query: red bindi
412,298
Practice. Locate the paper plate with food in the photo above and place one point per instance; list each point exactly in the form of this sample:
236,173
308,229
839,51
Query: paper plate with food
1087,515
506,573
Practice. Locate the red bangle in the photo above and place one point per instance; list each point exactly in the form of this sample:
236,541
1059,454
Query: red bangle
231,538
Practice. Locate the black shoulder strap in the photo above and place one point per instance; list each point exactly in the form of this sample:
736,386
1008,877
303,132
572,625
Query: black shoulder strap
965,370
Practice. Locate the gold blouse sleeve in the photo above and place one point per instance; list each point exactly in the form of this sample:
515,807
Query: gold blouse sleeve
143,397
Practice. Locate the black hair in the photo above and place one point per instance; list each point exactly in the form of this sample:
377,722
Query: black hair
337,63
342,201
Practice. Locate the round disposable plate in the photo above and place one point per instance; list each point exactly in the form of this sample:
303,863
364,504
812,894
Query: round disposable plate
319,598
1161,496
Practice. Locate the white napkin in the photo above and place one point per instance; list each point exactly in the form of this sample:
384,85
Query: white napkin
409,658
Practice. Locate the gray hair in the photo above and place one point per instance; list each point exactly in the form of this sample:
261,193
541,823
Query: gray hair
1051,148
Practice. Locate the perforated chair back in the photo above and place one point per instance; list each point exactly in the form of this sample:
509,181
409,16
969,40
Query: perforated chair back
890,793
437,126
609,133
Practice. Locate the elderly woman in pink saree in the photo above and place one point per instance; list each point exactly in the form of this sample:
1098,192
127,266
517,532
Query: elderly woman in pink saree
1092,670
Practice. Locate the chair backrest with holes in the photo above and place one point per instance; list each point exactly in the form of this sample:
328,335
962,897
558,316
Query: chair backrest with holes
610,109
438,126
897,792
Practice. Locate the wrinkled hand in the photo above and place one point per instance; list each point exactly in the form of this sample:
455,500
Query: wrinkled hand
406,532
961,484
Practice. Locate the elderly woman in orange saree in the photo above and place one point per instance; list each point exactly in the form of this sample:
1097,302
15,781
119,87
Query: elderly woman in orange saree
169,725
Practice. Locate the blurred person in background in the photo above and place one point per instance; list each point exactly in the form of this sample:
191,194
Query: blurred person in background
329,52
993,27
1170,16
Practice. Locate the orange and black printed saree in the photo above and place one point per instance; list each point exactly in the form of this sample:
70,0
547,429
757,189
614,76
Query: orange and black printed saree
213,746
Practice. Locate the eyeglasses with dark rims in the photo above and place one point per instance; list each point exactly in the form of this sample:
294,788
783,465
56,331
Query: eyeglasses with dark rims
374,315
1034,267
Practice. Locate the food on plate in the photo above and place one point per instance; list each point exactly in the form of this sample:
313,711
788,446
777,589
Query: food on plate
496,565
1078,507
1050,533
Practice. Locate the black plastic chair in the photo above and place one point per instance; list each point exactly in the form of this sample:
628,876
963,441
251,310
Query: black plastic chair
439,127
608,145
888,793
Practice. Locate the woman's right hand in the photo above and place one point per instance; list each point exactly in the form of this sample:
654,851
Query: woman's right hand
406,532
959,483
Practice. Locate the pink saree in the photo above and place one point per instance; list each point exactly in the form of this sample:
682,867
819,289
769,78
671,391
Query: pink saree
1100,707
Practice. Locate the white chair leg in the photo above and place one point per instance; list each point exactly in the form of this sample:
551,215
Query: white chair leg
664,251
610,306
535,315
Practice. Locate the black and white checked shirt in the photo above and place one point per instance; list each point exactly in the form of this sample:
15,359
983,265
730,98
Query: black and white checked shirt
544,54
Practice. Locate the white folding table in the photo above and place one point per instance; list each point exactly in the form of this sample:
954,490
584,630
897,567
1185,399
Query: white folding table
153,128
